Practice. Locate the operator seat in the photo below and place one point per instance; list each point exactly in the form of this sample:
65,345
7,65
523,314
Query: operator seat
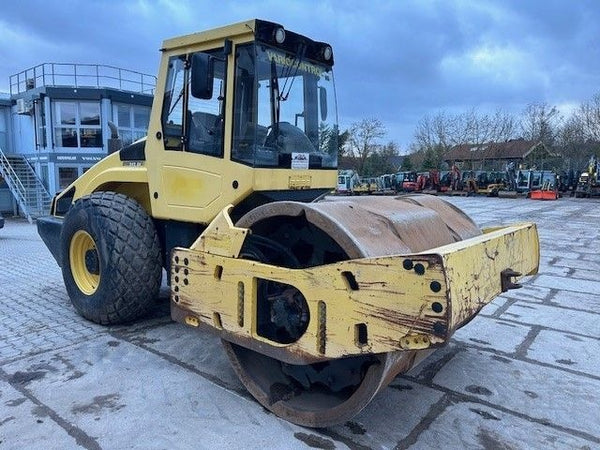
205,134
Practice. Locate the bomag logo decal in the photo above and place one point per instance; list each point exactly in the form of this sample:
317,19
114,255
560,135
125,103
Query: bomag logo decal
285,60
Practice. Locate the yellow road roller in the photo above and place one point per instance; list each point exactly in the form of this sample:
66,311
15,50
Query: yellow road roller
320,301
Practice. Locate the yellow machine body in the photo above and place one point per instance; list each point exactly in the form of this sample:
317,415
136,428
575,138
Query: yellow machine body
319,303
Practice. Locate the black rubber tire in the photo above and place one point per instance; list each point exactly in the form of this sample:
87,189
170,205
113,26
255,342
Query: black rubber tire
128,256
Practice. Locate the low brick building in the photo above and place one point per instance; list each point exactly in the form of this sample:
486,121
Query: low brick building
495,156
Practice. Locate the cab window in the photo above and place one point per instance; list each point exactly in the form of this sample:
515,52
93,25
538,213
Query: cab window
191,124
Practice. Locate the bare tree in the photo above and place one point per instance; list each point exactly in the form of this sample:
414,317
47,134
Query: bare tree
470,127
505,126
435,135
437,130
540,122
588,118
364,140
474,127
579,135
571,142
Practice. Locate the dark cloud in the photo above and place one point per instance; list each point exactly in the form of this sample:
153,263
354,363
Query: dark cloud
396,61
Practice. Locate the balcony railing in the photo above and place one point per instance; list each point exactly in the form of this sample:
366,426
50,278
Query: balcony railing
80,76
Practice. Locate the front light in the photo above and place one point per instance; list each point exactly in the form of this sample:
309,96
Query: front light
327,53
279,35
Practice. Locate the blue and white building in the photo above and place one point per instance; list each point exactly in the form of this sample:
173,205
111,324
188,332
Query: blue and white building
56,123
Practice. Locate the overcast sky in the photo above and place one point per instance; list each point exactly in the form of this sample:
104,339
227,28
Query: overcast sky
395,60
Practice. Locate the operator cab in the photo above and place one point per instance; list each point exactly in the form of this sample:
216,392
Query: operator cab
284,108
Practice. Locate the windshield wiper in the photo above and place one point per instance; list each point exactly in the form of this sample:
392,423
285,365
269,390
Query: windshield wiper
299,57
278,96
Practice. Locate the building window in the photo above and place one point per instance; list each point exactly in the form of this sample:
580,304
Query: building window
89,123
131,121
77,124
66,175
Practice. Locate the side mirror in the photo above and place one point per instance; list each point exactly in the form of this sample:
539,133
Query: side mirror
203,73
323,103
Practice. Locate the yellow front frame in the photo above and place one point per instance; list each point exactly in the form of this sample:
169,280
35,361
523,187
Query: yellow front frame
399,302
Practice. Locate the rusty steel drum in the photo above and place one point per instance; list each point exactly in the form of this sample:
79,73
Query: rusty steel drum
332,392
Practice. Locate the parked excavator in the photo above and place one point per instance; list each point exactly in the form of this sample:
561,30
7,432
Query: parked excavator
320,302
349,183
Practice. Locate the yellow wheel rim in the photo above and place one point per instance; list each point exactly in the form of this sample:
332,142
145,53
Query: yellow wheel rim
87,278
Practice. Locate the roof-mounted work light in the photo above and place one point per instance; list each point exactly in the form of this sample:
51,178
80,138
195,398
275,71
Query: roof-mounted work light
279,35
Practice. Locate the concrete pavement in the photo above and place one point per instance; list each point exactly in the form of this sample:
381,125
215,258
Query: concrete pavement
524,374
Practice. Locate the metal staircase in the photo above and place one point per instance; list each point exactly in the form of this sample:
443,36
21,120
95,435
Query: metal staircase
32,196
